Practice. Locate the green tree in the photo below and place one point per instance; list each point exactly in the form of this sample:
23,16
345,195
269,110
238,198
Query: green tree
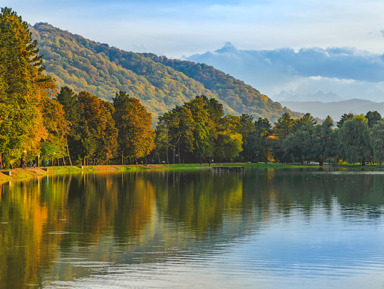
302,143
378,141
327,143
23,88
354,139
256,145
373,118
344,118
229,141
247,131
283,127
203,128
55,145
178,126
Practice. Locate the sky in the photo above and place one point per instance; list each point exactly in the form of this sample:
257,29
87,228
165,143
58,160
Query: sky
178,28
288,49
307,74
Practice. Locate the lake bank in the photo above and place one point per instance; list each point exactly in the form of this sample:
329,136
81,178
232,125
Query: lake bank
25,173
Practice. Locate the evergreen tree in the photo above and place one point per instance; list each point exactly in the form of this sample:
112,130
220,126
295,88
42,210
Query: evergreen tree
302,143
344,118
247,131
23,89
283,127
262,143
327,143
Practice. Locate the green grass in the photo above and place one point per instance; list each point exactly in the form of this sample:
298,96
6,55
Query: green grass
134,168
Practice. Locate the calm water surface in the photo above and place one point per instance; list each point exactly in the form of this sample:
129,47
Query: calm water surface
267,228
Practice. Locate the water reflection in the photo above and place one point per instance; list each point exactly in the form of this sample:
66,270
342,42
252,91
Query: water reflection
66,228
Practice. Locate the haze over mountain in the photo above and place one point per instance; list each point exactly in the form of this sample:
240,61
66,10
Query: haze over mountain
160,83
310,74
335,109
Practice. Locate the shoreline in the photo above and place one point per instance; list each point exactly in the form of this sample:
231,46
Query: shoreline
26,173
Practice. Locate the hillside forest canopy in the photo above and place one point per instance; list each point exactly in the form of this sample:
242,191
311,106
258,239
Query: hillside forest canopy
41,124
160,83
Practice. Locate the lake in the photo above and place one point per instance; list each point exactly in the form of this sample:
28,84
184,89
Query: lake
266,228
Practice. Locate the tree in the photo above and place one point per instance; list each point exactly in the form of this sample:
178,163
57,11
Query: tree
283,127
96,128
373,118
255,140
302,143
178,126
354,139
344,118
203,128
327,144
69,101
55,145
378,141
247,131
133,121
23,88
229,141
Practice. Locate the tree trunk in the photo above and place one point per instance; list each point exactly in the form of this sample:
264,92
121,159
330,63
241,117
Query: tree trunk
179,153
122,158
174,152
69,156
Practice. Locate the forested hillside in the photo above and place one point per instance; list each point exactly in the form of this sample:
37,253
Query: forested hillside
160,83
241,97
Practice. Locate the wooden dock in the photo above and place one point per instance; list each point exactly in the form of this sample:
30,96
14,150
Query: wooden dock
228,169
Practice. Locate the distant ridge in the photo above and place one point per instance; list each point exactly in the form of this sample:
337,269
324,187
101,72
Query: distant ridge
160,83
335,109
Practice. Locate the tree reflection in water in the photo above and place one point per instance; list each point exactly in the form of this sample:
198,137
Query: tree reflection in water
46,223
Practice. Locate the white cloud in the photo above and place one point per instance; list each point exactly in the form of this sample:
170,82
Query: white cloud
346,72
171,26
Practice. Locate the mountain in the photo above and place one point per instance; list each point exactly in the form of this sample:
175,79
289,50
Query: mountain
305,74
336,109
160,83
319,96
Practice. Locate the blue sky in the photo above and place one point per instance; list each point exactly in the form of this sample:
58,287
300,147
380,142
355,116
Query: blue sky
288,49
177,28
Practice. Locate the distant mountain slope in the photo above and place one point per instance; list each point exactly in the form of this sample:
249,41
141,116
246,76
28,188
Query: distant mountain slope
304,74
335,109
160,83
